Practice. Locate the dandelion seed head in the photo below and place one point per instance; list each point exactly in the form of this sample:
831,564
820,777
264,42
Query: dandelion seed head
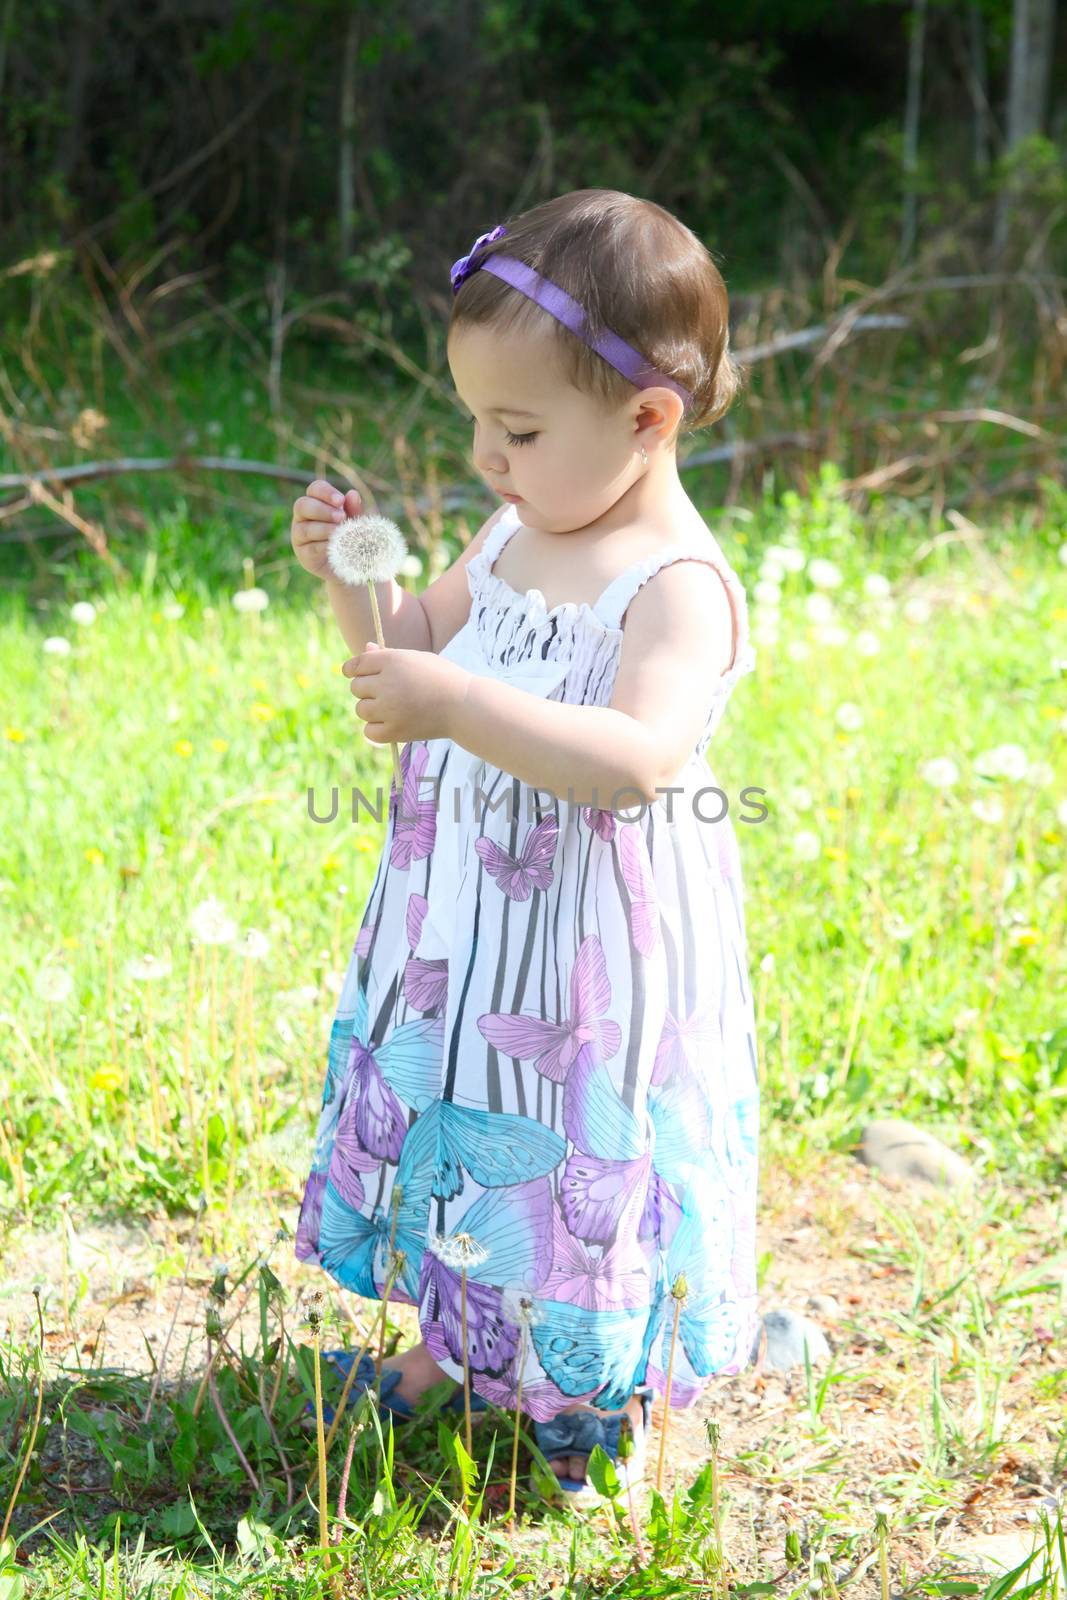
367,549
143,969
54,984
211,924
521,1308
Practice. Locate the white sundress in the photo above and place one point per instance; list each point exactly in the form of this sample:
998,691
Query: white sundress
546,1039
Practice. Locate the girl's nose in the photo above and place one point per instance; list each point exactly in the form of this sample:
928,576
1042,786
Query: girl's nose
489,461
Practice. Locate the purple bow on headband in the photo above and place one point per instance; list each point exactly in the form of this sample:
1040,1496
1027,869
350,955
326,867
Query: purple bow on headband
559,304
462,268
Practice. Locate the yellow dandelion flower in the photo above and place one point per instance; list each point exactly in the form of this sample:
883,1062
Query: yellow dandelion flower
1053,713
183,748
70,942
16,735
220,745
157,616
211,670
833,813
107,1079
330,864
303,681
1024,936
835,852
259,683
1059,613
94,856
261,712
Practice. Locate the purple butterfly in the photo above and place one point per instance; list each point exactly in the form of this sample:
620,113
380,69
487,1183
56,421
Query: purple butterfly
602,821
617,1280
687,1046
555,1046
662,1212
379,1119
637,875
531,869
309,1223
416,828
541,1398
425,982
596,1194
415,916
491,1339
743,1258
349,1157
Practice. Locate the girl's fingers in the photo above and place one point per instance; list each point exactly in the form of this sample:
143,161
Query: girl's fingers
321,490
308,510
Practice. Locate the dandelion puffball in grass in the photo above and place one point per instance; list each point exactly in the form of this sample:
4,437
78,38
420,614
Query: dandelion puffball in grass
56,646
1003,761
251,600
53,984
806,845
256,945
942,772
210,923
146,968
83,612
824,574
370,550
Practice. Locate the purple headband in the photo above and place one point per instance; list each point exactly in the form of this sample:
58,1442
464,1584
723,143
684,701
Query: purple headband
559,304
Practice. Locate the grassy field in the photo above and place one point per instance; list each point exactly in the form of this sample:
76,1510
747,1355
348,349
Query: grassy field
174,932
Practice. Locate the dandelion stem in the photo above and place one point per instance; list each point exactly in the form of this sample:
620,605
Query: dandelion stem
679,1292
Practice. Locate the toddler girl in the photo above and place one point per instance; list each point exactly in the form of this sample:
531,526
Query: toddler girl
543,1063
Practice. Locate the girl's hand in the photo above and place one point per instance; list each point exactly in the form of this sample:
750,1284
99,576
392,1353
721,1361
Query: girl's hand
405,694
315,516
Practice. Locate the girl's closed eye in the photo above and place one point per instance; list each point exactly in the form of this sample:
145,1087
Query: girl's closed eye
512,438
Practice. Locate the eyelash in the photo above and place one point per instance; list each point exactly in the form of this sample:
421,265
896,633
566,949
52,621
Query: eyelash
514,438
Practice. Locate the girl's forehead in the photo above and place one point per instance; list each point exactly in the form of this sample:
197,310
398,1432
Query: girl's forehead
518,367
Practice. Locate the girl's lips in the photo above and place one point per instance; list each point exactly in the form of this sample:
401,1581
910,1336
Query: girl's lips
511,497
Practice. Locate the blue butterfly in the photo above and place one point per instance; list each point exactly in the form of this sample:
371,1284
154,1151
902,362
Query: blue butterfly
497,1148
578,1347
355,1248
683,1130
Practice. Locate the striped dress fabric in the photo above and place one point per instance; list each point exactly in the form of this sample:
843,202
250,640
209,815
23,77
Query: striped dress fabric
541,1098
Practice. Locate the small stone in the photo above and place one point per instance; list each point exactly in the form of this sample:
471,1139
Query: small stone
786,1332
825,1306
998,1553
906,1151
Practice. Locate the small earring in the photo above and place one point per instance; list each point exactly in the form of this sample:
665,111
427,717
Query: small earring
644,455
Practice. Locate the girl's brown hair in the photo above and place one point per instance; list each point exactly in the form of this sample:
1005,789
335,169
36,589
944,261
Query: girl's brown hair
633,267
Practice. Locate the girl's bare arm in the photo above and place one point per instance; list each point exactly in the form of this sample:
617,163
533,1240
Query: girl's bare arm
423,621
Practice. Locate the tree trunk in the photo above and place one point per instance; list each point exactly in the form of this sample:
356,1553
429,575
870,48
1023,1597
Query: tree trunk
1032,33
346,167
912,116
978,86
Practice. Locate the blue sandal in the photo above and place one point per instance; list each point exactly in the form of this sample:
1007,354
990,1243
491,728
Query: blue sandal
577,1433
341,1360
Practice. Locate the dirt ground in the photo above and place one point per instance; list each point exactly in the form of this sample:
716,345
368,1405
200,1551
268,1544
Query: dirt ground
837,1230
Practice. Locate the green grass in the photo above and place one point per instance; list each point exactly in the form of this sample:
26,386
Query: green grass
909,961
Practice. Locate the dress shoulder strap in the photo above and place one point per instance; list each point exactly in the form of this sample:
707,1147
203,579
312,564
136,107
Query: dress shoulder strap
611,607
505,525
